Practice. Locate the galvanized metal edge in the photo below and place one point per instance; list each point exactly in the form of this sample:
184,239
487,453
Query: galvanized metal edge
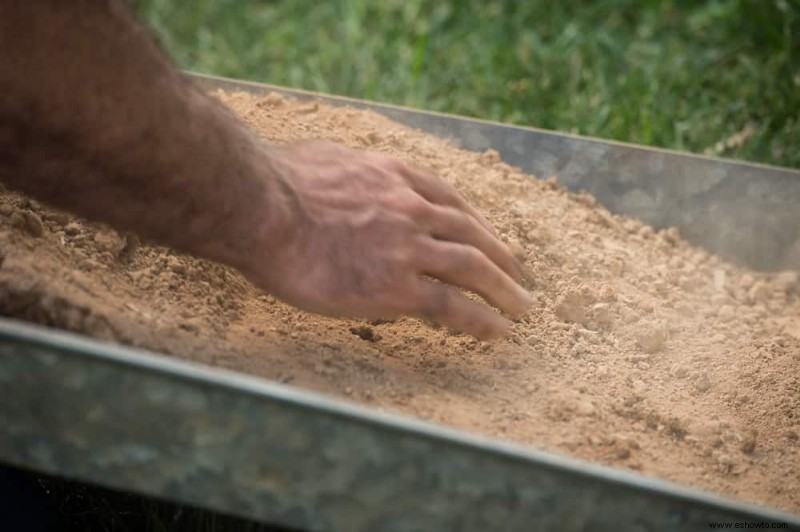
742,211
133,420
210,82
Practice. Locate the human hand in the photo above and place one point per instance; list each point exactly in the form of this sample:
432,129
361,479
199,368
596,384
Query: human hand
365,235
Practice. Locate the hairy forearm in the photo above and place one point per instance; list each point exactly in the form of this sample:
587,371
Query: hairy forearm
95,120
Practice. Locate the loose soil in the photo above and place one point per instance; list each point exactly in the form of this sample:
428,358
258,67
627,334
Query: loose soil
641,352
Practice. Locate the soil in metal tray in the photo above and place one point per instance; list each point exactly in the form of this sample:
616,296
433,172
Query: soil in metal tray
641,352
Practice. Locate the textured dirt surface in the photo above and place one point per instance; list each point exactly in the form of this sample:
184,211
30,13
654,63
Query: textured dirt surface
641,352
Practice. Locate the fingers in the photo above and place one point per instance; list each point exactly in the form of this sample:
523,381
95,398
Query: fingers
440,192
448,223
447,306
452,218
466,267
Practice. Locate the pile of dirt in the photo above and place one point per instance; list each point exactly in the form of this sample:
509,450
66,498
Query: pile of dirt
641,352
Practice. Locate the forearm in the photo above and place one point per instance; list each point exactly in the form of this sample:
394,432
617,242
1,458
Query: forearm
95,120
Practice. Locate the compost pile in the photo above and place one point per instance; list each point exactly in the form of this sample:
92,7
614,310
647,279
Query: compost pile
641,351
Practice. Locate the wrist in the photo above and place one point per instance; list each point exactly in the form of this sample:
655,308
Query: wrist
258,233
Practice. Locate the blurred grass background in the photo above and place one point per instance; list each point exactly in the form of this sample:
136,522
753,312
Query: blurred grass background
719,77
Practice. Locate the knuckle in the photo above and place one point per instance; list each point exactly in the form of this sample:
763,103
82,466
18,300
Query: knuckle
468,259
451,223
403,258
462,220
413,205
388,163
397,166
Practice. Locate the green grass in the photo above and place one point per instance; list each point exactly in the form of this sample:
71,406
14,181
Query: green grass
683,74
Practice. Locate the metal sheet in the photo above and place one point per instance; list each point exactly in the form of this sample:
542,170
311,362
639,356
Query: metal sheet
746,213
128,419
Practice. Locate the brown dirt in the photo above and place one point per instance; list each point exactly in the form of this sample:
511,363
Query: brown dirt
641,352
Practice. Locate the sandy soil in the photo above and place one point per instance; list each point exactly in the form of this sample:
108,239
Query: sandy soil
641,352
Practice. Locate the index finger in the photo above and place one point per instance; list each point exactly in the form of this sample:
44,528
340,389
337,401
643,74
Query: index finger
437,190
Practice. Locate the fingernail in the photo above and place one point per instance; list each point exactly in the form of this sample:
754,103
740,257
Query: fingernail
527,297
